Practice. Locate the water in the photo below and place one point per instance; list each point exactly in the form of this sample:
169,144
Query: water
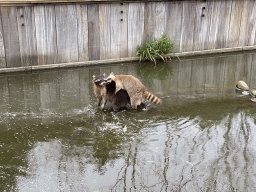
53,137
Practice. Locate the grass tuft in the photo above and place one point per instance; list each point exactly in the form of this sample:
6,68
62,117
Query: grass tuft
155,49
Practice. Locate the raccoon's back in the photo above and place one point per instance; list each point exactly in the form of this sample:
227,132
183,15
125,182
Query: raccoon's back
130,83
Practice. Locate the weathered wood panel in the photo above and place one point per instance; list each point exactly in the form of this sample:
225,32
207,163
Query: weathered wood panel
49,34
93,32
160,21
2,50
46,34
224,23
135,27
188,26
213,9
82,33
235,22
27,36
201,26
119,24
149,20
66,26
105,31
11,37
248,24
174,12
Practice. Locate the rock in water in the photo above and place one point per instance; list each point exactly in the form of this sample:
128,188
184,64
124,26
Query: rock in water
241,85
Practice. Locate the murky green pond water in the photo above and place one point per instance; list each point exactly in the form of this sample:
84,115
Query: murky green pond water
53,137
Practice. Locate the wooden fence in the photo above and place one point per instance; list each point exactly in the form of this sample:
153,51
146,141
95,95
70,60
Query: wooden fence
39,34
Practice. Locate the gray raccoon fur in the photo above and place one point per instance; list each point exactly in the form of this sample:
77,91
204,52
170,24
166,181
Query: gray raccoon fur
135,89
107,92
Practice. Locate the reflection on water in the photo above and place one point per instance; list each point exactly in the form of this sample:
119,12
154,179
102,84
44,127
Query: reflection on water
53,137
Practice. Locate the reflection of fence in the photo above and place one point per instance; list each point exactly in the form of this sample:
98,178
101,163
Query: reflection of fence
49,33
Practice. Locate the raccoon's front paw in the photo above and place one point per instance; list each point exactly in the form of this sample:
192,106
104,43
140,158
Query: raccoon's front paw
142,106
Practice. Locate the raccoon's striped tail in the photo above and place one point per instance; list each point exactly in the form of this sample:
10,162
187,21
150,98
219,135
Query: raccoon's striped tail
149,96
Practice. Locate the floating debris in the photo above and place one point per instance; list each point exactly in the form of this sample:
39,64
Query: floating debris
245,93
253,100
253,92
242,86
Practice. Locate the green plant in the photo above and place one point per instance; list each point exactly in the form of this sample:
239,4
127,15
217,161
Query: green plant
155,48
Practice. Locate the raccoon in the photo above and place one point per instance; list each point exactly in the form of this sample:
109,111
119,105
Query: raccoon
119,99
135,89
107,92
100,89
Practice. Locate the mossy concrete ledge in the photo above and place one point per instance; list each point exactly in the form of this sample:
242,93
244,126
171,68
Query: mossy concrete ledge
121,60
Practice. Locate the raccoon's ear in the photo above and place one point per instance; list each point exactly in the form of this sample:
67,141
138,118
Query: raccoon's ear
93,77
104,75
112,74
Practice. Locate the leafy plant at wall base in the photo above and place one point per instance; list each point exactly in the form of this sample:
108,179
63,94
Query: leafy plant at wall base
156,49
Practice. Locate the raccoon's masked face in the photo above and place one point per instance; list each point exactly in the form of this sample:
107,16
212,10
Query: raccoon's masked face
100,80
110,78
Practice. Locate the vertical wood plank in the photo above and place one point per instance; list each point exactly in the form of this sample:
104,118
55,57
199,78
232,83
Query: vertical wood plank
27,35
11,36
83,51
160,20
149,19
188,25
2,50
135,27
66,24
248,24
235,22
201,25
174,22
93,32
224,23
213,8
119,40
46,34
105,30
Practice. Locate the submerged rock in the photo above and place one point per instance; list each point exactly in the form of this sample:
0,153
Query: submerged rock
241,85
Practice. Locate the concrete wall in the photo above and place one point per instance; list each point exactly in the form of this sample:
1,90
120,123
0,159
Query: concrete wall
39,34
